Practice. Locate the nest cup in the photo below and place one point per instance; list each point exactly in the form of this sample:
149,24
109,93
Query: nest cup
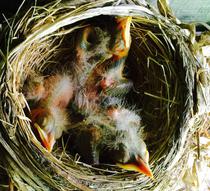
159,63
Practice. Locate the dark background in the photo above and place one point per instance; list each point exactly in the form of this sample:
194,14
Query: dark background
10,7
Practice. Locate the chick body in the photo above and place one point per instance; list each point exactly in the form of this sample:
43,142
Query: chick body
121,139
120,130
48,113
101,54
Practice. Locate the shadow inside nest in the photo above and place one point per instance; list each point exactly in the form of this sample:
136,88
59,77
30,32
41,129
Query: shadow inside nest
154,69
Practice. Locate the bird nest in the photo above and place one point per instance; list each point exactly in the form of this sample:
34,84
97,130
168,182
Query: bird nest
160,64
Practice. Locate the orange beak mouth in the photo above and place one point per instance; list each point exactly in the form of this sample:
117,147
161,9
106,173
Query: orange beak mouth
124,25
47,139
138,166
122,47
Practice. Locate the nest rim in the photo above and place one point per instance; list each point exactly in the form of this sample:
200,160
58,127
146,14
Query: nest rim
88,179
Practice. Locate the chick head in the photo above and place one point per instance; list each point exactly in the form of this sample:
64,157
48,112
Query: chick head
49,124
43,123
128,149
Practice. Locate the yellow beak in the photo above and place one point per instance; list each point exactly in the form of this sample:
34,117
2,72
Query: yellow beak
122,44
47,139
138,166
124,25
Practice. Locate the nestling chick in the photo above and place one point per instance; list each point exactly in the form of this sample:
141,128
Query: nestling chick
101,54
49,124
48,113
129,134
113,78
120,140
91,51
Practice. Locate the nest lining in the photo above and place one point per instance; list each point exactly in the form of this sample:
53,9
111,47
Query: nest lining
161,67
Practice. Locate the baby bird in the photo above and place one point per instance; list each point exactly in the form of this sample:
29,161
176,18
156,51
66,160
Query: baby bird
101,53
113,81
91,51
49,97
114,136
134,154
49,124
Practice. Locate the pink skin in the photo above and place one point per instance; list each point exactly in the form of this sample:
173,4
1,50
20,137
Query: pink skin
105,83
57,91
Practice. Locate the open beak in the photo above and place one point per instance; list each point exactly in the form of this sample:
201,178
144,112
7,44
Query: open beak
139,166
122,47
47,138
124,25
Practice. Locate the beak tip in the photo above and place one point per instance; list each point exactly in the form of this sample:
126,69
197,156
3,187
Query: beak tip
142,168
49,147
150,174
48,144
47,139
